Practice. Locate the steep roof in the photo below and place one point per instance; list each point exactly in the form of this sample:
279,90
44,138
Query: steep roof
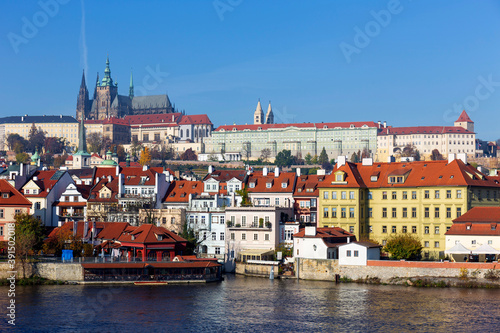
307,185
464,117
226,175
276,183
251,127
325,233
46,179
151,101
148,234
352,177
424,173
179,191
13,197
195,119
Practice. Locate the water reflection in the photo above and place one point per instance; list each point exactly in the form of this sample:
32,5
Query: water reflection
254,305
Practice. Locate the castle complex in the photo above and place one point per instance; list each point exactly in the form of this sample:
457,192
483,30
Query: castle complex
107,103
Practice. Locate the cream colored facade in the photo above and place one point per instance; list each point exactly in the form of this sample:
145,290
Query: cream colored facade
159,134
66,129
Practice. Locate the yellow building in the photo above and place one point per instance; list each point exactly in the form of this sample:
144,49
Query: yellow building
421,198
54,126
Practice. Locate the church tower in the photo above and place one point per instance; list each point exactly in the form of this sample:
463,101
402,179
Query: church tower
83,102
269,115
258,116
106,92
131,88
81,159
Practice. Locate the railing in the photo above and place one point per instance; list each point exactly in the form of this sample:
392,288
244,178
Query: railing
99,259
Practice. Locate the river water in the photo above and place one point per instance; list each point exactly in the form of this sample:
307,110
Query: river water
245,304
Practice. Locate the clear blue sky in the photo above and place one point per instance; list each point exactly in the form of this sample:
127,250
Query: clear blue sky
219,57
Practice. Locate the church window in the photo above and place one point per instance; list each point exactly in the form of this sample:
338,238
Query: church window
187,133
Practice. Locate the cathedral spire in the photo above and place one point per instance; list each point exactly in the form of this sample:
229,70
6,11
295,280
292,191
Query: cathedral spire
83,103
83,84
107,80
131,88
258,116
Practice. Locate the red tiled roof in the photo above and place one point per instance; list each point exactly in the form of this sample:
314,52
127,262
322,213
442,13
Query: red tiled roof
307,186
480,214
325,233
261,182
111,120
15,198
421,173
423,130
179,190
464,117
352,177
148,234
148,119
252,127
226,175
195,119
44,182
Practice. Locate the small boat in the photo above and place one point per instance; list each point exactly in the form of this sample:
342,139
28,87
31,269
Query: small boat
150,283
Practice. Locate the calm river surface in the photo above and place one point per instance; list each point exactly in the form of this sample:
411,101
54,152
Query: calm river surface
243,304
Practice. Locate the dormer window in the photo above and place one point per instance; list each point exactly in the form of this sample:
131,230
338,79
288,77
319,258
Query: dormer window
269,185
251,185
339,177
284,185
5,195
160,237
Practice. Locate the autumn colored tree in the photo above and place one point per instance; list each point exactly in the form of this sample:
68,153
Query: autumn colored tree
265,154
60,160
189,155
54,145
436,155
145,157
22,158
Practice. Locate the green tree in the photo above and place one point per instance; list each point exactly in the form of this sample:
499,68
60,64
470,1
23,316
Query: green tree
354,158
245,199
403,246
314,160
29,237
192,241
308,159
22,157
323,156
16,143
36,138
284,158
54,145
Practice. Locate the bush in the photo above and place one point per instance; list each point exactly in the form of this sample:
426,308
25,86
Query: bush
403,246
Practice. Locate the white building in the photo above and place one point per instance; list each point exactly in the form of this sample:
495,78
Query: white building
357,253
320,243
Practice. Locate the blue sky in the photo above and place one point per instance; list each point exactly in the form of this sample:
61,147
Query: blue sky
406,62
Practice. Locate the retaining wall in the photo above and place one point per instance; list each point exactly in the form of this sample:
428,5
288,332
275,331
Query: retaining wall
326,269
52,271
255,269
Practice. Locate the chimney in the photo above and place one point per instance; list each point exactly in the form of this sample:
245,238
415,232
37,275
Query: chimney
385,124
117,171
463,157
210,169
367,161
173,118
75,227
110,178
451,157
310,231
97,180
341,160
120,184
35,178
264,171
348,239
378,124
298,172
277,172
145,167
21,169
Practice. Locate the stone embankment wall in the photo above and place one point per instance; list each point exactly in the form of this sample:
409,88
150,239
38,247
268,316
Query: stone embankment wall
255,269
52,271
386,271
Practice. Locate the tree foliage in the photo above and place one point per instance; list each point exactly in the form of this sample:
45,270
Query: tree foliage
36,139
145,157
284,158
63,240
403,246
245,199
411,151
17,143
308,159
54,145
60,160
192,241
265,154
436,155
189,155
22,157
29,236
323,156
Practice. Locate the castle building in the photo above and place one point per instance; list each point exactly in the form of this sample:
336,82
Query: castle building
106,101
258,116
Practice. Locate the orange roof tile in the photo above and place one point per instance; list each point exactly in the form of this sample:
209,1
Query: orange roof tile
13,198
276,183
464,117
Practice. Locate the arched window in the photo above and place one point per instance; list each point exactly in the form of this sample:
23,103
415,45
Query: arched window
201,133
187,133
181,133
